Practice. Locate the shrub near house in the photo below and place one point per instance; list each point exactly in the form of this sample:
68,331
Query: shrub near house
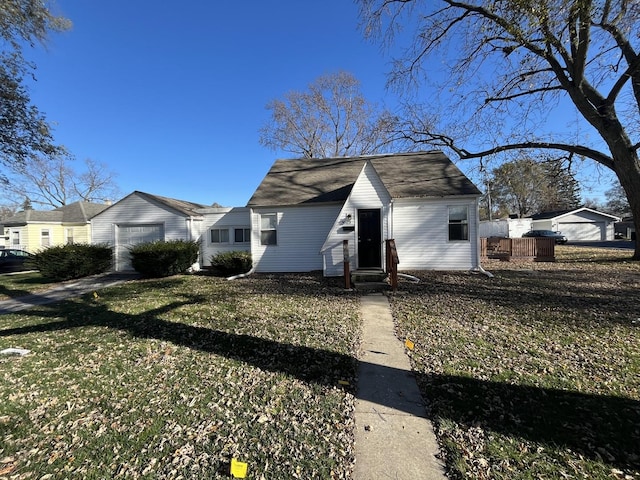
231,263
76,260
161,259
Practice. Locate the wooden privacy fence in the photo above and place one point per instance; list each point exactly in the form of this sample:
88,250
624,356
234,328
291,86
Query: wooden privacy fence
536,249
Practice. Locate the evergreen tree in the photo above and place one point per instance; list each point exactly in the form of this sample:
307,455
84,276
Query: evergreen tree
527,186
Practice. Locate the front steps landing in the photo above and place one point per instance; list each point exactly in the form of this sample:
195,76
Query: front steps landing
369,280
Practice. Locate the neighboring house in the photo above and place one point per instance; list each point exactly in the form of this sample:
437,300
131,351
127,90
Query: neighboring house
581,224
625,228
226,230
304,209
141,217
505,227
33,230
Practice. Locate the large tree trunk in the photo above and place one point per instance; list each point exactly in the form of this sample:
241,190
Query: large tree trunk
627,168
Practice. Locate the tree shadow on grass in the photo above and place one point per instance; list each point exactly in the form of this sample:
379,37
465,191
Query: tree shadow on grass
598,427
307,363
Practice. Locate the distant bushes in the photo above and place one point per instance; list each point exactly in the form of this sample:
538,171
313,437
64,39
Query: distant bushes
161,259
231,263
76,260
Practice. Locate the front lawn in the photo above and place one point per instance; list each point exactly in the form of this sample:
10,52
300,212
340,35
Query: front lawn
534,373
173,378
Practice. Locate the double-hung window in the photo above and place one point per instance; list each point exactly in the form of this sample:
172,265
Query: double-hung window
268,229
458,223
219,235
45,239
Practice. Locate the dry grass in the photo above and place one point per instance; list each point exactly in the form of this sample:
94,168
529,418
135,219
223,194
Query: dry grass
534,373
173,378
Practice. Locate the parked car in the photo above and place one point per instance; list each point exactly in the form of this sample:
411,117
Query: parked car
14,260
557,236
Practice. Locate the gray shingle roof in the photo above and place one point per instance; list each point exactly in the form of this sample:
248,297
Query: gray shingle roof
76,212
405,175
182,206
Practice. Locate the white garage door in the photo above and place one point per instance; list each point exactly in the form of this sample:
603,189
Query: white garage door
583,231
129,235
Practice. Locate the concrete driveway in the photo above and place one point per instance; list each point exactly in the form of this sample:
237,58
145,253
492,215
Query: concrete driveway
623,244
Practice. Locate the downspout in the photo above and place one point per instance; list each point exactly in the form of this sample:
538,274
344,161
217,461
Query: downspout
242,275
253,267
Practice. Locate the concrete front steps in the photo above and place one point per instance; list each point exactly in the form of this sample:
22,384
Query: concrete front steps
370,280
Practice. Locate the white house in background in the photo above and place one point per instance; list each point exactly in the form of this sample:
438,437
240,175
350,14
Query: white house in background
581,224
304,209
505,227
141,217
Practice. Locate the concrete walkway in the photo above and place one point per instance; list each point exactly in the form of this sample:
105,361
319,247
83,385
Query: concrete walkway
65,290
394,439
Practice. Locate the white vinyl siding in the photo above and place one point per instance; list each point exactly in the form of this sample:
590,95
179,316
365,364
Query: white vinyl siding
136,210
367,192
230,219
421,233
301,232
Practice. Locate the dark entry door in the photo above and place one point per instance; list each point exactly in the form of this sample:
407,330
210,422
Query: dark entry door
369,239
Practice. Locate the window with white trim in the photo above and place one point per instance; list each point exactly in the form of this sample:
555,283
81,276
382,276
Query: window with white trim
219,235
15,238
268,229
45,238
241,235
458,223
69,235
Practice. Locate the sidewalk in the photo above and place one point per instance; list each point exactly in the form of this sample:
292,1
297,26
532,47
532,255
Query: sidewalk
393,437
64,290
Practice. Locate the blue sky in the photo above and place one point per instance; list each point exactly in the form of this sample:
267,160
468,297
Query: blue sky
170,96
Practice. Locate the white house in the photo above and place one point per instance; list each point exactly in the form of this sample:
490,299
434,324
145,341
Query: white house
581,224
304,209
225,229
141,217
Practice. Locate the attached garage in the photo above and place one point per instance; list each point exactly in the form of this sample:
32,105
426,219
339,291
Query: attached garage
129,235
579,225
141,217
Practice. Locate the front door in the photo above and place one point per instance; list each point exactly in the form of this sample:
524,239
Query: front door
369,238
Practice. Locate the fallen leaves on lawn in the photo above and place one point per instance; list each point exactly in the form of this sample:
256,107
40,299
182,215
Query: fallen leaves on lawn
534,373
173,378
